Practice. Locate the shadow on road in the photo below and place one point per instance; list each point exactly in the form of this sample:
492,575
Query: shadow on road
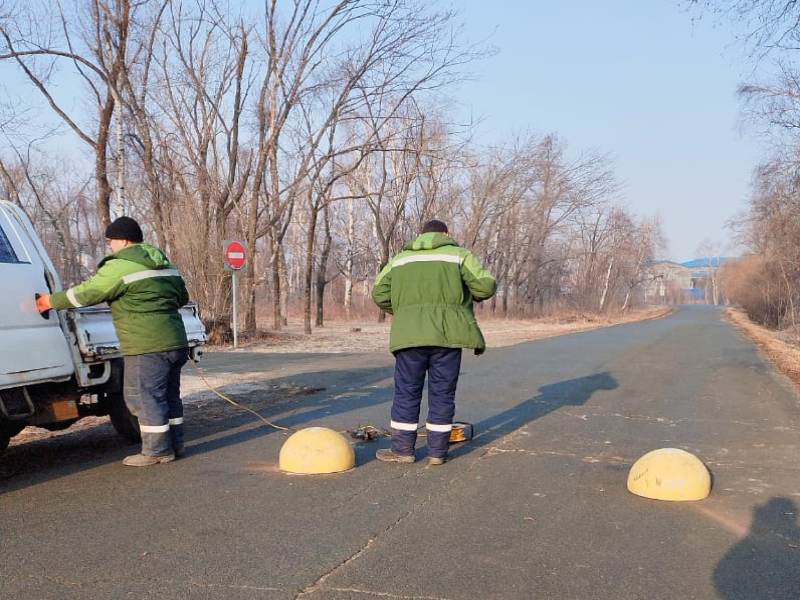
299,400
572,392
302,410
765,564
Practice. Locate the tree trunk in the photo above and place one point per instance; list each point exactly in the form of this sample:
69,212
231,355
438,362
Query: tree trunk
250,279
101,163
250,324
275,268
309,266
348,268
605,284
322,270
285,288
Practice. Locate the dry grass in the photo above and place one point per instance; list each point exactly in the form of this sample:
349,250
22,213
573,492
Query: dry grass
505,332
784,354
351,336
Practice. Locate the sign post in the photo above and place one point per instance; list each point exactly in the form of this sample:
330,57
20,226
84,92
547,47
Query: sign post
235,259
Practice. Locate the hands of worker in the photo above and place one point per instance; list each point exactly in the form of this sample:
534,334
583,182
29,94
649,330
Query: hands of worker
43,303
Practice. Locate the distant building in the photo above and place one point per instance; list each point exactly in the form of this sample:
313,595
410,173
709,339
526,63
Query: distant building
666,282
692,281
714,261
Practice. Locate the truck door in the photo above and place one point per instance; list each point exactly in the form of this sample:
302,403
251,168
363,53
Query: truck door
32,349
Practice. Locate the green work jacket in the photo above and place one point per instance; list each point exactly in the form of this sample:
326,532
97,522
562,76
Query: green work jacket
144,290
429,288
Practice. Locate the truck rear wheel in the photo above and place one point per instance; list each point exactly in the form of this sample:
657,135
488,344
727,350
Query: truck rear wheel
123,421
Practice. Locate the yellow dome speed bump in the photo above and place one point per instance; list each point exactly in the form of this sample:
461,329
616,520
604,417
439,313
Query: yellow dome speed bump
316,450
669,474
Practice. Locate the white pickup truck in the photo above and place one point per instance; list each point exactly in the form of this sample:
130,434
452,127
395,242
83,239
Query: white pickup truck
57,368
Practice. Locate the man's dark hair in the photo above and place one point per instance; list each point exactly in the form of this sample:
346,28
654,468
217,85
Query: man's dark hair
434,226
124,228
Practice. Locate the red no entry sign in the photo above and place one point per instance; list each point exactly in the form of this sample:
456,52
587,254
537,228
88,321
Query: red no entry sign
235,255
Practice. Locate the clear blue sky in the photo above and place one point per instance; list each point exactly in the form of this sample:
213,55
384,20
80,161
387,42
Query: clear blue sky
636,78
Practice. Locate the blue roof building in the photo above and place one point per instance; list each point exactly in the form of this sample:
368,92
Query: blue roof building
713,261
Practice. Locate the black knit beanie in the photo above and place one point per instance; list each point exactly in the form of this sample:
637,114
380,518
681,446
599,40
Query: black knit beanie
434,226
125,228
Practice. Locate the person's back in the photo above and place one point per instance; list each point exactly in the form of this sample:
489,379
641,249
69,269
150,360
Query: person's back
429,288
147,295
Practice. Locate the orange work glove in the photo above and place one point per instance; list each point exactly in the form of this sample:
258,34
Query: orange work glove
43,303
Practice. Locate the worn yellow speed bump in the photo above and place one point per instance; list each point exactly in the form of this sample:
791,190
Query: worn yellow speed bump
669,474
316,450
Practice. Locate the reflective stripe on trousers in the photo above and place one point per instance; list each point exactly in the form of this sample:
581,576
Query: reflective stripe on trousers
153,394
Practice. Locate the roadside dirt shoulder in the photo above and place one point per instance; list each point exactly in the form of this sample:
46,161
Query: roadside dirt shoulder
784,354
358,337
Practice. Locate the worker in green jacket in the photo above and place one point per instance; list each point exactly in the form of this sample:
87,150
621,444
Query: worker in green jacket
429,288
145,292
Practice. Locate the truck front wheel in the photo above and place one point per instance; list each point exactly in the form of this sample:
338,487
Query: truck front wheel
9,429
123,421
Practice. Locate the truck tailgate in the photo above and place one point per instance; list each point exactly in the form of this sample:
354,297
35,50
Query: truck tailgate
97,338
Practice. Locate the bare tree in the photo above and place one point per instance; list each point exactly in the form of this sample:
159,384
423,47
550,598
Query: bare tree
187,103
92,39
769,25
645,241
318,134
771,232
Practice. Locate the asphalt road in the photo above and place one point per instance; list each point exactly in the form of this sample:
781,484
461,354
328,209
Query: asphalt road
535,506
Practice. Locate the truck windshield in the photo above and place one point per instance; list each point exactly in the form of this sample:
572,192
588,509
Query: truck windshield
7,254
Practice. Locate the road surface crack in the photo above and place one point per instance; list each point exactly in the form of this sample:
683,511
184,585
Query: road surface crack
324,577
356,555
388,595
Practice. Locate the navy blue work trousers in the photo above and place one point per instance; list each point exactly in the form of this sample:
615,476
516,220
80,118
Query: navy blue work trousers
442,366
152,388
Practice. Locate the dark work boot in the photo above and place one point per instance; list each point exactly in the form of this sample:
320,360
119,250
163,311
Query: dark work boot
389,456
142,460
